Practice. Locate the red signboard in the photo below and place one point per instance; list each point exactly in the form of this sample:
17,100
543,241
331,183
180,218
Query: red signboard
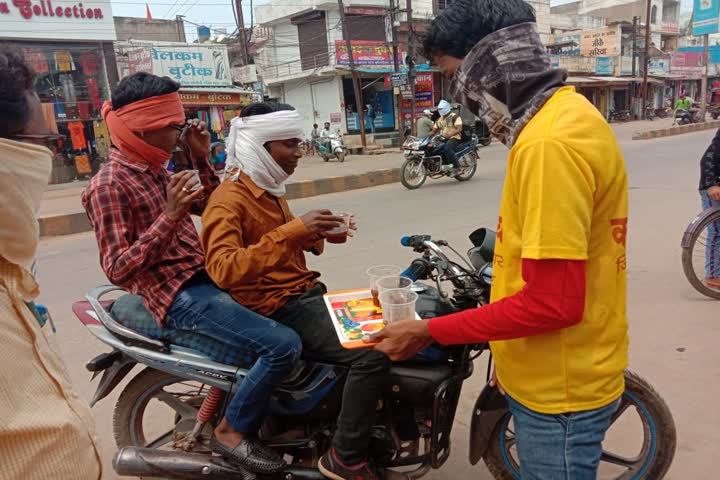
364,53
687,62
215,98
423,96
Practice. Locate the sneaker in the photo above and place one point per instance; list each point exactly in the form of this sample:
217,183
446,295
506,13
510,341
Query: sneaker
331,467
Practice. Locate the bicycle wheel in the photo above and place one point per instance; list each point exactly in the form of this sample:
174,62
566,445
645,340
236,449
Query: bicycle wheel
700,247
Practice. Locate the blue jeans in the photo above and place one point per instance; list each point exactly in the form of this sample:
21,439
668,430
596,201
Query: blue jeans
204,309
712,249
560,447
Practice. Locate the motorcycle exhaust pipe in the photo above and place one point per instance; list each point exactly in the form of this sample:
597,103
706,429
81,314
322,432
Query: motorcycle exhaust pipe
147,462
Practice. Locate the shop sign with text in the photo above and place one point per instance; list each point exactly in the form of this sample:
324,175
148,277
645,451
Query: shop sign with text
57,20
601,42
364,53
423,96
215,98
191,65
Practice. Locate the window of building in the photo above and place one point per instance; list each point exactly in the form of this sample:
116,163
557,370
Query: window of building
440,5
313,39
653,14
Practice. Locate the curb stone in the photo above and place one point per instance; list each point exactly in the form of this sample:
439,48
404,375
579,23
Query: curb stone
77,222
677,130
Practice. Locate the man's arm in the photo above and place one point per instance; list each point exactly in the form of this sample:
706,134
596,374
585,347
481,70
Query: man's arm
120,257
209,180
229,261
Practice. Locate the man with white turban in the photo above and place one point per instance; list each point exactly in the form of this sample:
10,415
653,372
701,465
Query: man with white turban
255,249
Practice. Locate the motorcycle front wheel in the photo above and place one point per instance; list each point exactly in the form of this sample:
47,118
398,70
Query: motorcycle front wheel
413,173
340,157
641,409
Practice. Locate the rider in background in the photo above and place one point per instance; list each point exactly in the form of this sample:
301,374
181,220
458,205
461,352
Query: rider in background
314,136
325,135
424,124
710,197
450,126
683,103
556,322
149,245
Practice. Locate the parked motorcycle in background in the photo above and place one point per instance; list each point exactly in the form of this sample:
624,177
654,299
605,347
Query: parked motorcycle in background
424,158
686,117
332,146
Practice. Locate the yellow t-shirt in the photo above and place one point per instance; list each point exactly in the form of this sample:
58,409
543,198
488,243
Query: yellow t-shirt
449,123
565,197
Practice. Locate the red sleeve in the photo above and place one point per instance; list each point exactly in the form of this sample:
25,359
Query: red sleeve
553,298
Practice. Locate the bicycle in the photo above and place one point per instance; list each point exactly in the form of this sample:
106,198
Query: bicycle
700,241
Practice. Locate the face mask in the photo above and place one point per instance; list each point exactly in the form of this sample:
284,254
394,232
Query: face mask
24,174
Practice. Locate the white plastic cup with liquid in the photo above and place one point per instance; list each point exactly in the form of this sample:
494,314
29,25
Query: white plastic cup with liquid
393,281
376,273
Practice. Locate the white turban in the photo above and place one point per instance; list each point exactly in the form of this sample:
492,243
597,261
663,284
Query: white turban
246,153
444,107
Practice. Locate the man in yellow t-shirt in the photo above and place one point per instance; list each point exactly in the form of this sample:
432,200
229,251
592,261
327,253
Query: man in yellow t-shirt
556,322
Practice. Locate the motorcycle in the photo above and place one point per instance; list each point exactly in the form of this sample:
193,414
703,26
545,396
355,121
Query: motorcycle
332,146
186,381
619,116
650,113
424,158
481,130
685,117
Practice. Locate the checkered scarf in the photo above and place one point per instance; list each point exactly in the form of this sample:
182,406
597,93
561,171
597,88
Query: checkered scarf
506,79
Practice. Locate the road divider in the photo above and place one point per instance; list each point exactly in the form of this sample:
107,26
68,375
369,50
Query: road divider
69,223
676,130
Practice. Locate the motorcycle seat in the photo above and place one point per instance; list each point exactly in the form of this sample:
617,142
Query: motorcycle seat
129,311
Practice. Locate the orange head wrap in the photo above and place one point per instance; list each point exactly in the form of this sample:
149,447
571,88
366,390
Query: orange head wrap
145,115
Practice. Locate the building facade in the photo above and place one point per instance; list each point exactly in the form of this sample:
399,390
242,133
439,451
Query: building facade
70,47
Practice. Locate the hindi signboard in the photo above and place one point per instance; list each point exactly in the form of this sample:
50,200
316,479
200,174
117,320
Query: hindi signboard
190,65
364,53
705,17
601,42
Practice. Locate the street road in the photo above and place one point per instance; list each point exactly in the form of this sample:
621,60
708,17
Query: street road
674,331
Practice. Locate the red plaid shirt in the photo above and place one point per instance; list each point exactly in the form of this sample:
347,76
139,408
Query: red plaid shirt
141,249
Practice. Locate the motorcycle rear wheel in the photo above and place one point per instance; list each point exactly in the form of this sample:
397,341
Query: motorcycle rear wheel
340,157
467,173
656,454
413,173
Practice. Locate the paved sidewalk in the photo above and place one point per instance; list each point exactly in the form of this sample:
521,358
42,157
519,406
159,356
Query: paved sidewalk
61,211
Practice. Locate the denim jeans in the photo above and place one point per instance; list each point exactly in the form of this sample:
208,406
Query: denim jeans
712,249
308,315
560,447
204,309
450,152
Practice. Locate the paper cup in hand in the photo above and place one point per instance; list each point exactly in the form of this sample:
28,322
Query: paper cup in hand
196,178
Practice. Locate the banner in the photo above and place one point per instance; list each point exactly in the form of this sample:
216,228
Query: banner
196,65
364,53
687,62
423,97
602,42
705,17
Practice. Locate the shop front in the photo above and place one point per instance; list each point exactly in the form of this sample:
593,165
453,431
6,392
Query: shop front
215,106
70,48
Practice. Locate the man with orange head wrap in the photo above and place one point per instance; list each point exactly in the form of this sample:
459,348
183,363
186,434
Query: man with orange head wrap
149,245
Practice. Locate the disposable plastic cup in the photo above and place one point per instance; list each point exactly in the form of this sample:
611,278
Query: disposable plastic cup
196,177
377,272
339,234
398,304
394,281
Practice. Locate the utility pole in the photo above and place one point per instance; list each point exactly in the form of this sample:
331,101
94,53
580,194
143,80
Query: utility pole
704,82
396,64
353,72
411,65
634,66
646,59
241,32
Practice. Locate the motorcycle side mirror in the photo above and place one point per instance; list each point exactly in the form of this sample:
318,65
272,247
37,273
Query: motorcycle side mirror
484,241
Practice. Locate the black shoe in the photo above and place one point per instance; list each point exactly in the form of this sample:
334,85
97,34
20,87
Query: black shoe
250,454
331,466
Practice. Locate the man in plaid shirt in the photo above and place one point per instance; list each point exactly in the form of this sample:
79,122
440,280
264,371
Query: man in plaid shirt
149,245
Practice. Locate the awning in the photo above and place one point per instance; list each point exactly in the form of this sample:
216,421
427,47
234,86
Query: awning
568,43
677,76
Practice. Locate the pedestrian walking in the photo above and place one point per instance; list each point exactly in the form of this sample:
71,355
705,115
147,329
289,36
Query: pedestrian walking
709,198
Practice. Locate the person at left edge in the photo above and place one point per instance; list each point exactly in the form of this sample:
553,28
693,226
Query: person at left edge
149,245
46,430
